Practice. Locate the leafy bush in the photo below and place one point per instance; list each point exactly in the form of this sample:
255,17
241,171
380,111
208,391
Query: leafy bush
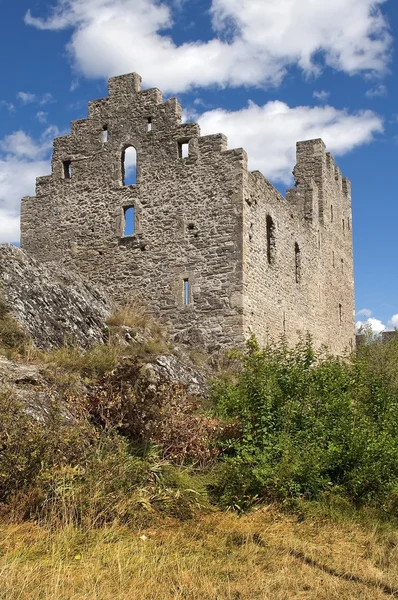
307,424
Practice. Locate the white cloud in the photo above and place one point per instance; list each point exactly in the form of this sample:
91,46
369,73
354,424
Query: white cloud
41,116
254,42
393,322
74,85
8,105
269,133
26,97
22,159
29,98
364,312
377,92
322,96
375,325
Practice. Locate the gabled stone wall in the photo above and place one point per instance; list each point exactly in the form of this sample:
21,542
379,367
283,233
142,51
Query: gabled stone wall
198,254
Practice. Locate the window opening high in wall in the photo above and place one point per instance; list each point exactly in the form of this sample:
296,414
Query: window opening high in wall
129,221
129,166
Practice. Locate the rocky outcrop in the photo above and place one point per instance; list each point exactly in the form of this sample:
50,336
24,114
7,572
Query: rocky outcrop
52,305
27,384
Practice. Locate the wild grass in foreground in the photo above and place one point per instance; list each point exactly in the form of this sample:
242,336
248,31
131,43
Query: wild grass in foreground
264,555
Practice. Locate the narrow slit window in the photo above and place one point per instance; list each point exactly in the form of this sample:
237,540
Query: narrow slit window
333,263
183,149
270,240
129,166
186,291
284,322
67,167
340,314
331,213
129,221
297,260
343,224
342,265
149,124
105,134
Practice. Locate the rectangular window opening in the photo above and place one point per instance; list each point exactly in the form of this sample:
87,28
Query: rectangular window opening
105,134
129,221
67,166
149,124
183,149
297,255
270,240
186,292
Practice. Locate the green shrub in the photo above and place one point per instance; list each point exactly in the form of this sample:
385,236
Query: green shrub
307,423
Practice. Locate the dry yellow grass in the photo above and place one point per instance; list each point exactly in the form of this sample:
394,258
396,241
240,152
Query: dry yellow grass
264,556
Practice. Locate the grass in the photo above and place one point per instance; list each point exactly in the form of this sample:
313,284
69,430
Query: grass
264,555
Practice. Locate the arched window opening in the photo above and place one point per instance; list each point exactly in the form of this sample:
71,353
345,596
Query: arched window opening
129,166
270,240
297,260
129,221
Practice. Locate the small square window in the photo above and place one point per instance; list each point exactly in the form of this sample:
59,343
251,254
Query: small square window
183,149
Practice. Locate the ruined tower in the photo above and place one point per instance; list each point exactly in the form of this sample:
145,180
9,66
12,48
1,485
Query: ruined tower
213,249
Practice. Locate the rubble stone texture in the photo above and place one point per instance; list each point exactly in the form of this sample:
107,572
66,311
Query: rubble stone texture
53,306
216,250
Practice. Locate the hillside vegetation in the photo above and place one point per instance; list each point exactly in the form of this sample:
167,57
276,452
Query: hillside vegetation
278,480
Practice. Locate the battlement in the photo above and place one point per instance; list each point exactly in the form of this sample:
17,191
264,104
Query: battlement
316,177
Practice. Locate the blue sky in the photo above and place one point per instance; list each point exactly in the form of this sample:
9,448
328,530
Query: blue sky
265,72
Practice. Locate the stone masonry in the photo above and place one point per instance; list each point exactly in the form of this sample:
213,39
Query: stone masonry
215,250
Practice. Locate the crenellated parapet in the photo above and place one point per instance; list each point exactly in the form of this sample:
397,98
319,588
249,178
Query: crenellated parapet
319,184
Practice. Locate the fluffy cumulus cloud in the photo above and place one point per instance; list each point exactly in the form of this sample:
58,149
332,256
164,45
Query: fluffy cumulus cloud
393,322
374,325
366,322
22,159
269,132
254,41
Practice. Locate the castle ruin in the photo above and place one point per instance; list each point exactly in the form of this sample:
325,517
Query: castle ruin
215,250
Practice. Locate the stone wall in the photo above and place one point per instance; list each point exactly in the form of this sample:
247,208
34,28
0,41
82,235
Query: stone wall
303,280
198,254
